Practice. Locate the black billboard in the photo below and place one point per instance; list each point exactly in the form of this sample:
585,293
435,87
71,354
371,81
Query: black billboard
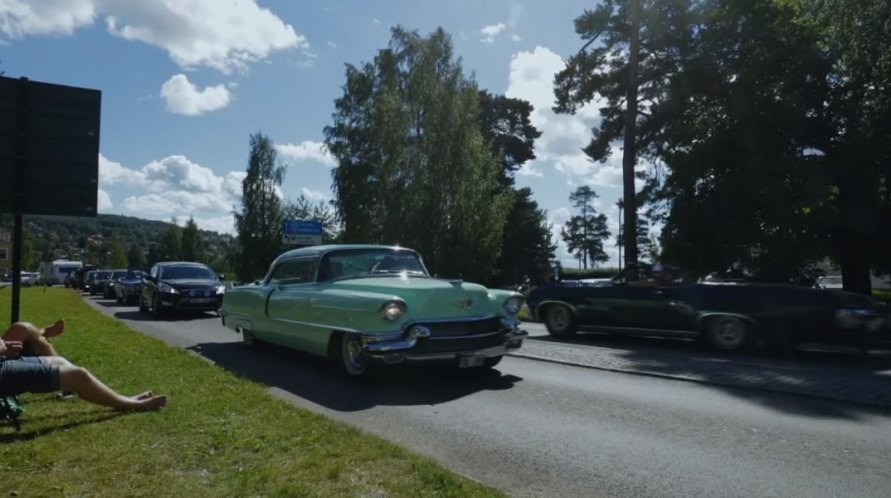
49,148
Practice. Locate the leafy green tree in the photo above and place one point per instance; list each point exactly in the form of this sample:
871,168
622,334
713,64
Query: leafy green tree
118,254
608,69
855,140
527,248
647,243
506,124
192,246
259,224
414,168
169,248
736,131
135,257
304,209
584,233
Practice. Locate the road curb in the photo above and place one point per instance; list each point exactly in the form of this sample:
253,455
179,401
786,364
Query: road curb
861,402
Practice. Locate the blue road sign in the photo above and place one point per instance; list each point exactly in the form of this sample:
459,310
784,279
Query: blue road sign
302,227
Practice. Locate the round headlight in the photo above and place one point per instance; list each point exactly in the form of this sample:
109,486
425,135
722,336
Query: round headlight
512,305
393,310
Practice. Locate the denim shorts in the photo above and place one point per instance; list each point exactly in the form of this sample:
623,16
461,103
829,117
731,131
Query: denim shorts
28,374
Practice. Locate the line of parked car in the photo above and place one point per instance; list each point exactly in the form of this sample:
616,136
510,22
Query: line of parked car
166,287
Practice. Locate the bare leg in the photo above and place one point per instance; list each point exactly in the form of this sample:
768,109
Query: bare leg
32,337
81,382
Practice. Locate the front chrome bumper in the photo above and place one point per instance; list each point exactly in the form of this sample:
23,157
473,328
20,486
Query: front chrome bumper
409,346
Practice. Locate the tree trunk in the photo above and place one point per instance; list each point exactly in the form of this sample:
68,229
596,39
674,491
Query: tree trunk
629,153
855,272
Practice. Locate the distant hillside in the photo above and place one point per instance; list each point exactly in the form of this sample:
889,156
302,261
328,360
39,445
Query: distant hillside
90,239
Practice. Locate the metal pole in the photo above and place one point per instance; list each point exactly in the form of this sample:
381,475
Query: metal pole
619,235
21,163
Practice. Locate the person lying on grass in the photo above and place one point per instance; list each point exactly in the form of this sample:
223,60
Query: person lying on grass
29,363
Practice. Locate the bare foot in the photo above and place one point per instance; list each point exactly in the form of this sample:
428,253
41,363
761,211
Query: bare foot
55,329
145,395
151,403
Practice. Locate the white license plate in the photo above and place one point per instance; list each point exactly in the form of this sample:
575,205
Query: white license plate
470,361
201,300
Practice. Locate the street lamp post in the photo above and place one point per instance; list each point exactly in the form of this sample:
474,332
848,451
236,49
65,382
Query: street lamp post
619,235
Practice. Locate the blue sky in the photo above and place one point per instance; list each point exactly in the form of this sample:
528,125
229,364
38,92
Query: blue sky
184,84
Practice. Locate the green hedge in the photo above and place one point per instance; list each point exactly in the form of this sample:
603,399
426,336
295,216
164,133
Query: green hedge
578,274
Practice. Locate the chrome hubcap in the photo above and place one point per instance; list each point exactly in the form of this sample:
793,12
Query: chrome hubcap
558,318
353,352
730,334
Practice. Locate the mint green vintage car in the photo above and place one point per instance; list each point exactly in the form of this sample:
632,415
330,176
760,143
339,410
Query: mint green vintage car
361,304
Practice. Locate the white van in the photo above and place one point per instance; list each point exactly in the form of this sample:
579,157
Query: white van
29,278
55,272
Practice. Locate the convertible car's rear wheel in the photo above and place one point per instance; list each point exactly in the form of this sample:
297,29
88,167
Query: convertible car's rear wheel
559,320
350,355
727,333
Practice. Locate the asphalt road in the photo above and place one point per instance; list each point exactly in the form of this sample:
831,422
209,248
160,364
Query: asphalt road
534,428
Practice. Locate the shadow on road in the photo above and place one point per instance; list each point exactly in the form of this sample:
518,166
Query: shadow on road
829,373
131,312
318,380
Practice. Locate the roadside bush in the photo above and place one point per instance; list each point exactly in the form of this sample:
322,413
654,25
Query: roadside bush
578,274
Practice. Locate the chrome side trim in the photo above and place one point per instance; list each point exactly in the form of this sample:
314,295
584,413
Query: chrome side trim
640,331
331,327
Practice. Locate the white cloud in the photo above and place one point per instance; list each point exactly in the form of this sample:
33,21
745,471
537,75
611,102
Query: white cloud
183,97
173,186
111,173
219,224
315,195
529,169
563,136
307,150
491,31
20,18
376,21
103,200
331,44
223,35
560,215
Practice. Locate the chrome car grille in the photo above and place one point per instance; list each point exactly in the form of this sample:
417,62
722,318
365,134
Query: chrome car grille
463,328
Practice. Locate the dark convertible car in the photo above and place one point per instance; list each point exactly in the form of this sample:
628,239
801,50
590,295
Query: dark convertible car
727,316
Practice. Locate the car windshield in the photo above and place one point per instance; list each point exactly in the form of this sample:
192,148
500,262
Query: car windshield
133,274
187,273
100,275
117,274
371,262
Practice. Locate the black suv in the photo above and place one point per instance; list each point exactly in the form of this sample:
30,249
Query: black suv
181,285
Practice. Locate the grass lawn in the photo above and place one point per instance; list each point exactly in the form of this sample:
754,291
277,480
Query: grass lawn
219,436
